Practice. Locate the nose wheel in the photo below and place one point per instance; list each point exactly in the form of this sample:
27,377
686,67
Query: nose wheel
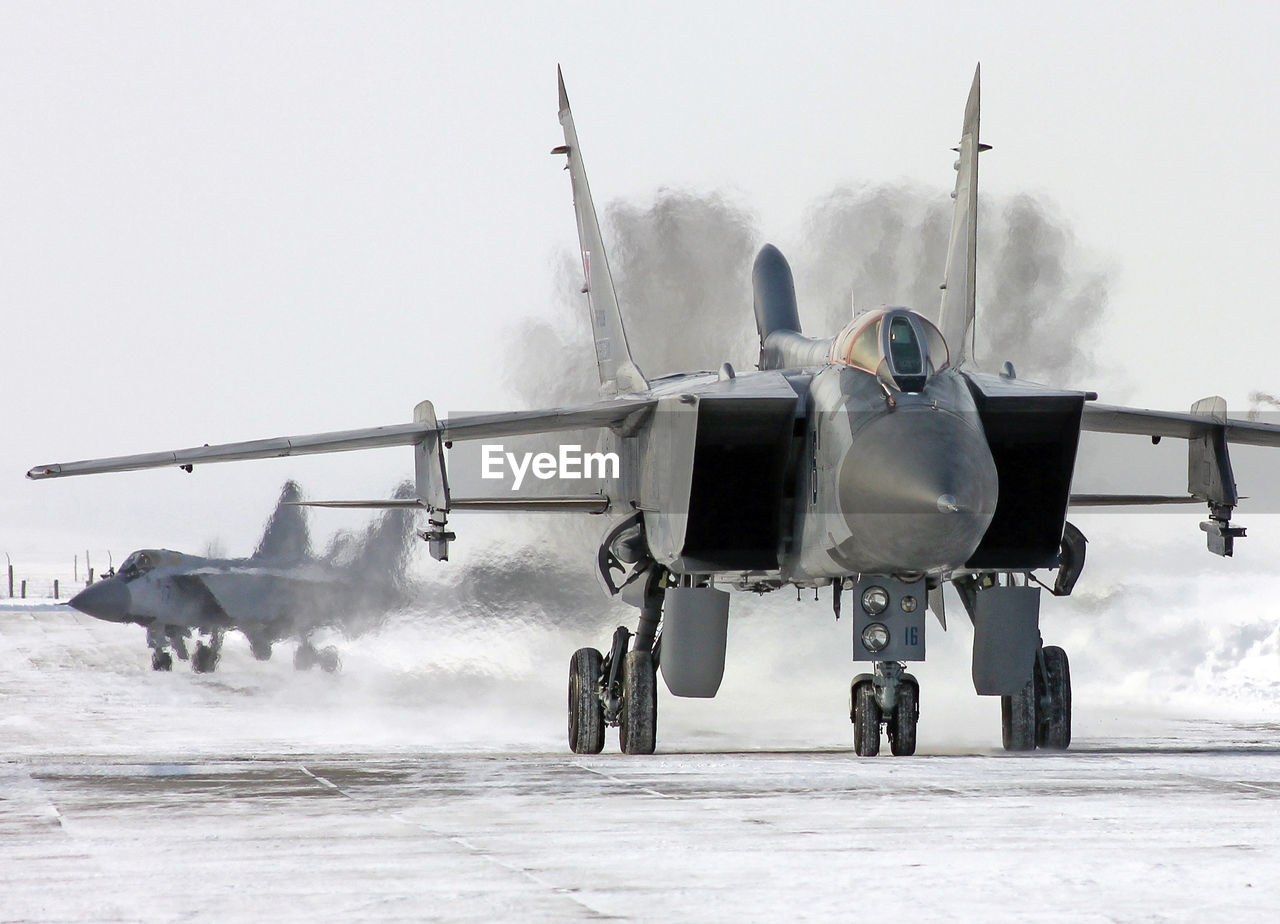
891,698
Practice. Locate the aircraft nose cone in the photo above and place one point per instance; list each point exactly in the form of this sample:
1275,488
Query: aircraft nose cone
918,490
107,600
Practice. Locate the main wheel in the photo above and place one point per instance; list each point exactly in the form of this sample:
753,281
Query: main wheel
161,661
1053,732
304,657
586,714
639,728
329,659
866,720
902,723
1018,719
204,659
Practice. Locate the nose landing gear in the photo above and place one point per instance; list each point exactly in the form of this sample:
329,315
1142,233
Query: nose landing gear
889,697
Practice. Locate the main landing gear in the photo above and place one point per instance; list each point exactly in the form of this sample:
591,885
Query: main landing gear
1039,716
308,656
204,660
889,697
159,640
619,689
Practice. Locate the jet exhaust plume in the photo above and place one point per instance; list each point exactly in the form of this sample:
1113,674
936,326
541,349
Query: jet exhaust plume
1041,299
1259,399
682,266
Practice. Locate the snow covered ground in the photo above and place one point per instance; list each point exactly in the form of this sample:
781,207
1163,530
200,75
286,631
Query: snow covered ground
430,780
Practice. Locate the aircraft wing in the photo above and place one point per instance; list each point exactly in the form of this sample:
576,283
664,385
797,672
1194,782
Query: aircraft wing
618,412
1103,418
1208,432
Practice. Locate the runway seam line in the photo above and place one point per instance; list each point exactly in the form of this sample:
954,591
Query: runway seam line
462,842
628,783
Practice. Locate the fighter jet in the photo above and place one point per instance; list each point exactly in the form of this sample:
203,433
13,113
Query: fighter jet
880,463
280,592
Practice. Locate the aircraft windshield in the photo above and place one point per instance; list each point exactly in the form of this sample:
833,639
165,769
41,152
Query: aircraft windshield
893,343
136,565
908,358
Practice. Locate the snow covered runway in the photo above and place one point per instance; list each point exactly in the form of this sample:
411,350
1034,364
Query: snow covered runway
260,794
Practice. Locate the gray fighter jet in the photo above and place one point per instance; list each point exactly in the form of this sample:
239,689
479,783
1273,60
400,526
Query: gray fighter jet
280,592
880,463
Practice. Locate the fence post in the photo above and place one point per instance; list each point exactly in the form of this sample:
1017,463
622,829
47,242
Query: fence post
24,590
55,588
11,582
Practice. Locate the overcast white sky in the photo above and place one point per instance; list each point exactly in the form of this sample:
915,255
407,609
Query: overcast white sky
227,221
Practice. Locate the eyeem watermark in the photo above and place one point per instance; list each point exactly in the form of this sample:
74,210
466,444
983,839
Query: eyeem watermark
570,463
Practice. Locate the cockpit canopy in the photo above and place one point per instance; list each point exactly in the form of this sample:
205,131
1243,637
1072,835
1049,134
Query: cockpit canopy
140,562
894,344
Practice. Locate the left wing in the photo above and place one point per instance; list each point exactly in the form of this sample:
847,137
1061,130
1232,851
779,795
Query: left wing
1104,418
1208,431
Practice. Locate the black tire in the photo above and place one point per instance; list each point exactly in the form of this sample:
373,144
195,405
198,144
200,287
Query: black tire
204,660
161,661
1018,719
260,648
586,714
304,658
1054,729
866,720
329,659
902,724
639,728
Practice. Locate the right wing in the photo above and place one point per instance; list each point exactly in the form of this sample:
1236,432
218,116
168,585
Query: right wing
622,412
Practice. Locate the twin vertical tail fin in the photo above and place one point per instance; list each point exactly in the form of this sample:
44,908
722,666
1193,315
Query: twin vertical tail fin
286,539
619,373
958,289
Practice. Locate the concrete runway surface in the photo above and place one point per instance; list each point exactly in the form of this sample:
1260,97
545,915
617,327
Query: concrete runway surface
389,793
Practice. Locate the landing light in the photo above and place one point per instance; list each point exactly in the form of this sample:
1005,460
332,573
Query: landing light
875,637
875,600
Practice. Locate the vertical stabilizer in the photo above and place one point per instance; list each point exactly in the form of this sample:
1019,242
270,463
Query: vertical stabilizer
286,539
618,371
958,291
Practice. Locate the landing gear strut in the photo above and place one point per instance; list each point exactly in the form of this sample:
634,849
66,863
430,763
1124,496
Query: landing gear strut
891,697
308,656
1039,716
